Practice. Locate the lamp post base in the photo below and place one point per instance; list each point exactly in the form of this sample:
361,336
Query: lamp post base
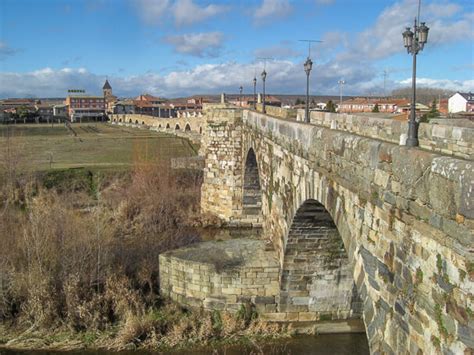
412,142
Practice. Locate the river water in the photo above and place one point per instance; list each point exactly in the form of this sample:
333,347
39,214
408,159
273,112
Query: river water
325,344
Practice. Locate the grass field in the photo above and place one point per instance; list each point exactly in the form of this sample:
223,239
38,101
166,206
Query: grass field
96,146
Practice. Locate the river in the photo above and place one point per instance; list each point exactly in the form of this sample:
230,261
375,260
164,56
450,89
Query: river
326,344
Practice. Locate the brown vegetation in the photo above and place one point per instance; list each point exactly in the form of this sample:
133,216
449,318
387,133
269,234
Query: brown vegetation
84,260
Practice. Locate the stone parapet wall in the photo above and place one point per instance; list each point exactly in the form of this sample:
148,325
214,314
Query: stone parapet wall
187,127
222,275
445,139
287,113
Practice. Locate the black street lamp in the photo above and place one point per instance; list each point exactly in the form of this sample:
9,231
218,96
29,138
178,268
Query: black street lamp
240,96
414,43
255,93
308,65
264,76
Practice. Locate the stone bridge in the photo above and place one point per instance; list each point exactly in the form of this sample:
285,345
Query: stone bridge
362,227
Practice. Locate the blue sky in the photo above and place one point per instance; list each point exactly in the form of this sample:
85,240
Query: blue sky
182,47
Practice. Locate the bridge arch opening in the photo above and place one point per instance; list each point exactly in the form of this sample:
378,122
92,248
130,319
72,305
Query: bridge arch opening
317,275
136,121
177,127
168,126
159,126
129,120
187,128
143,122
252,191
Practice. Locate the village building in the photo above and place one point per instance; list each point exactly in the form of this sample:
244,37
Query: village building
461,102
368,104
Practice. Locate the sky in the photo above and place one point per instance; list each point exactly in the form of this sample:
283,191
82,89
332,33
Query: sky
173,48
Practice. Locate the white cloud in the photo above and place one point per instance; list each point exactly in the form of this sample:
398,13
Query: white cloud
448,84
441,9
283,77
186,12
197,44
272,8
152,11
384,38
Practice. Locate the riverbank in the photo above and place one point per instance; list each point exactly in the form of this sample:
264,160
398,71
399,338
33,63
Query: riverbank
168,328
321,344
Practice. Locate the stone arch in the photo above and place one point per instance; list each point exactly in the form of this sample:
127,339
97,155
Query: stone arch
168,126
129,120
187,128
120,120
177,128
159,126
143,122
317,273
252,191
136,121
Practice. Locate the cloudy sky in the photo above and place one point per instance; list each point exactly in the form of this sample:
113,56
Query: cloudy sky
181,47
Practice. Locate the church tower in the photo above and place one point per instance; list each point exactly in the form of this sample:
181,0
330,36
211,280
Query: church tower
107,89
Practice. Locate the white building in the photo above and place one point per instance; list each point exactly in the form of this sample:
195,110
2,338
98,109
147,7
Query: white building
461,102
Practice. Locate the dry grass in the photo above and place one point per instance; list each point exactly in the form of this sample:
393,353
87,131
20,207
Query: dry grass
86,264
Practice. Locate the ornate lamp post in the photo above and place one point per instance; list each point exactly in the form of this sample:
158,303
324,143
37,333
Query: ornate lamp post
414,42
308,65
264,76
255,93
240,96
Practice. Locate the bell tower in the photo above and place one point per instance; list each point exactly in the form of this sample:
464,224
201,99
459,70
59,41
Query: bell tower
107,89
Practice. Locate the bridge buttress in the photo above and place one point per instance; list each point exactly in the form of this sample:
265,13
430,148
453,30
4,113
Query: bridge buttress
221,192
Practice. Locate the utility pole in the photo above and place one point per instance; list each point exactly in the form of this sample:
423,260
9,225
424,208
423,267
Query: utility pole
341,84
384,83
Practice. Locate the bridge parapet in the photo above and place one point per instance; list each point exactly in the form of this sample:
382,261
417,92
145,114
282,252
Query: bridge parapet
440,138
424,183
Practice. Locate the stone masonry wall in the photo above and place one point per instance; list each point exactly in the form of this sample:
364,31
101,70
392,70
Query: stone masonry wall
446,139
222,275
221,192
316,276
405,217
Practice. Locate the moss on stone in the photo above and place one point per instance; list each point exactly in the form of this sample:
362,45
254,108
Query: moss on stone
439,263
325,317
418,277
436,342
439,321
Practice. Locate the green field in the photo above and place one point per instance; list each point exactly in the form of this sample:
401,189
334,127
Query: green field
95,146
